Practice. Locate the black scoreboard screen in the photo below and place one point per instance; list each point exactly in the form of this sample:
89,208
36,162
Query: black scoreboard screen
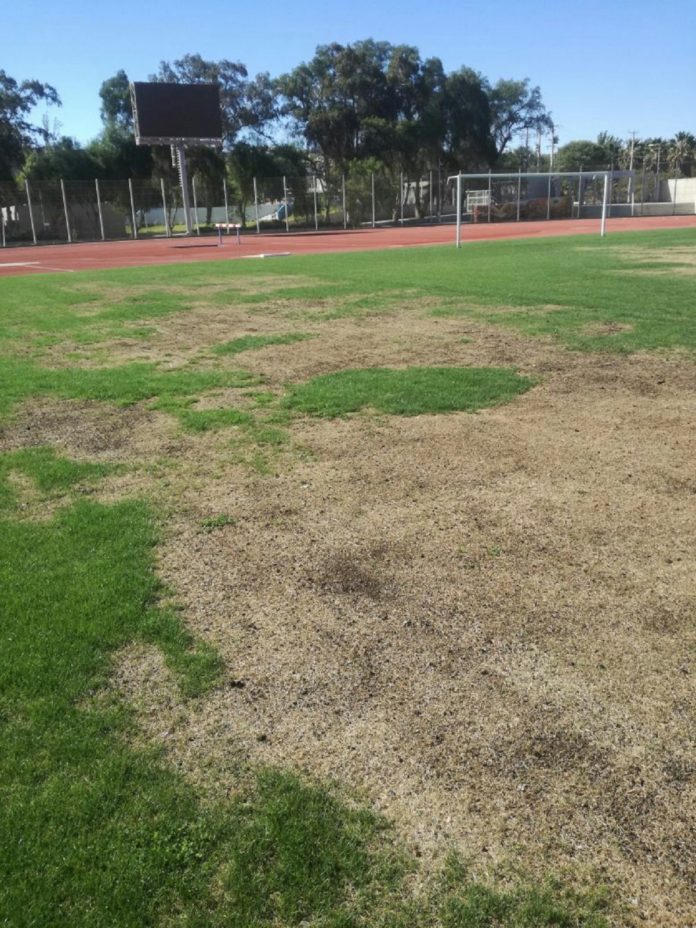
168,113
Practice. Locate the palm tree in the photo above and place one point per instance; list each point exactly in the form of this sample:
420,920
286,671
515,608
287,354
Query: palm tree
681,153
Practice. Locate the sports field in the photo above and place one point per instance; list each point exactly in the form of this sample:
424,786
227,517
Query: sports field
352,589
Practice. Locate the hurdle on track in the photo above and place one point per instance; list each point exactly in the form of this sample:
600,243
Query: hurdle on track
235,226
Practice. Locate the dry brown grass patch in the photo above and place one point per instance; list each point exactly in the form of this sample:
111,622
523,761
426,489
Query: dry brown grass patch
607,328
90,430
482,622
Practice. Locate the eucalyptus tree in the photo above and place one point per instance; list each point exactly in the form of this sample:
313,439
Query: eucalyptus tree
244,103
18,133
339,101
469,142
376,100
516,110
581,153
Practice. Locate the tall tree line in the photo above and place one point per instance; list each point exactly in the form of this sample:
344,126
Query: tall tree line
350,107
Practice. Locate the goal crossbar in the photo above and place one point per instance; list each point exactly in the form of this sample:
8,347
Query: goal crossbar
549,175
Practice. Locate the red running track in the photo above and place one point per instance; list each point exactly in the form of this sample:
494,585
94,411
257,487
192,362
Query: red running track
145,252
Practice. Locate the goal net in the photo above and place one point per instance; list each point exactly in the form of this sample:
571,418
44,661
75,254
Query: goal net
519,197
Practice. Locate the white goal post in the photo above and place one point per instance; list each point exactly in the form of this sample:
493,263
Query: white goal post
483,197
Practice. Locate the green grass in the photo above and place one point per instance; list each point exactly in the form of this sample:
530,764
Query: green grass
214,522
51,475
409,392
587,279
209,420
254,342
123,385
91,831
46,311
467,903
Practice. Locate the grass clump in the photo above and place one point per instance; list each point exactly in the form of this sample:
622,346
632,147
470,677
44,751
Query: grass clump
254,342
51,474
211,420
469,903
409,392
215,522
300,857
124,385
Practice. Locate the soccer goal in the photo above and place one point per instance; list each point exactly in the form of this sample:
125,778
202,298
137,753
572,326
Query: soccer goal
520,196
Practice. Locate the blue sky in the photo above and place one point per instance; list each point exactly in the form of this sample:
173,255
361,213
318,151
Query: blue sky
600,65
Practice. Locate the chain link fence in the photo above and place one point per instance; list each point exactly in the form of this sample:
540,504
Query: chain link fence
100,210
545,197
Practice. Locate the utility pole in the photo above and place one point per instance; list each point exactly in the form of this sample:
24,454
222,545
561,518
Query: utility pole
658,146
554,142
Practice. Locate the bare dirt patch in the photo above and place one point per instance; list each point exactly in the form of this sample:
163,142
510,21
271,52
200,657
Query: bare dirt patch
89,430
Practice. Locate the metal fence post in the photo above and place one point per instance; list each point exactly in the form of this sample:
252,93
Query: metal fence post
256,207
65,210
165,211
642,190
439,192
580,191
674,196
2,224
227,208
31,211
285,200
459,210
605,198
195,204
430,196
490,196
548,199
99,209
316,217
611,187
343,190
373,200
401,195
132,202
519,191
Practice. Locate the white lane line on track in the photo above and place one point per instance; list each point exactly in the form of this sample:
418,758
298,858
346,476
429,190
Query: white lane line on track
47,267
270,254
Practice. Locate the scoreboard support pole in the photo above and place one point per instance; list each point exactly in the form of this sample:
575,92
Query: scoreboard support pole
183,180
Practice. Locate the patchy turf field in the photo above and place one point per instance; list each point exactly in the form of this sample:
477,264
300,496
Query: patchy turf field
372,580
